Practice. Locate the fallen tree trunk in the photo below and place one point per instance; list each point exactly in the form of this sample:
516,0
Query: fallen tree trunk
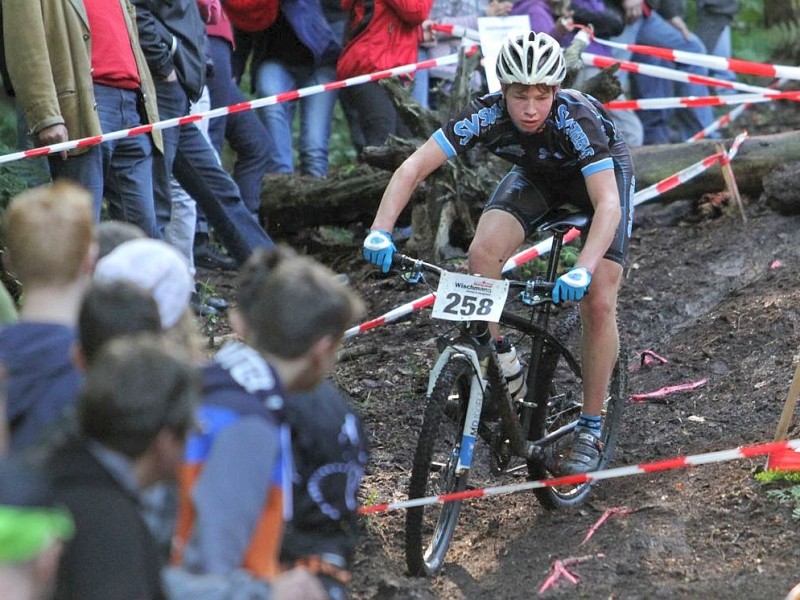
291,203
757,157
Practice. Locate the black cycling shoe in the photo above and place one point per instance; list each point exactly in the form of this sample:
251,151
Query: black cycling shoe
201,308
214,302
207,256
584,454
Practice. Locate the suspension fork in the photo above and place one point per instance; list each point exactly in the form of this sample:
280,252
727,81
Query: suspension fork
477,384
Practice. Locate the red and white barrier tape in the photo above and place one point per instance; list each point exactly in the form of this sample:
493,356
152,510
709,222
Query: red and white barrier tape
458,31
728,118
602,62
689,172
640,469
227,110
543,247
712,62
693,101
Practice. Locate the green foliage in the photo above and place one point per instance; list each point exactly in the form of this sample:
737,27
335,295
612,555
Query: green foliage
789,495
776,475
341,152
19,175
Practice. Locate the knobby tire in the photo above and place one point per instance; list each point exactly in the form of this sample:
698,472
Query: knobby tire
429,529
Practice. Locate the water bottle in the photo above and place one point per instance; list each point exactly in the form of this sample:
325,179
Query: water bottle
512,367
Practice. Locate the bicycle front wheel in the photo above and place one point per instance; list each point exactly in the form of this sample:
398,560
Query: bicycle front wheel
429,529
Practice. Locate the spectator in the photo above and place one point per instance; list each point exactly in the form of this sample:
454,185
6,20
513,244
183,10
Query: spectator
33,530
547,16
330,454
368,49
78,71
111,234
179,78
449,12
134,413
298,50
111,309
50,246
607,21
713,27
291,314
659,23
161,270
244,132
108,310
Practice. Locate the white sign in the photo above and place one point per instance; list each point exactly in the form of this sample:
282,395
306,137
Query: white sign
469,298
493,32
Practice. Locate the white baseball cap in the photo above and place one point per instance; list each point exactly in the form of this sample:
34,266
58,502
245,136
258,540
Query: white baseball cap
155,266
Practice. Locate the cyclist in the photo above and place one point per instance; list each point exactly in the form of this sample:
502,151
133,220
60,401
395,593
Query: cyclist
566,152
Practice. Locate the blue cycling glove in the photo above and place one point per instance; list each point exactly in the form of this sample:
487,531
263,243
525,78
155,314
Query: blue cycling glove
571,285
379,249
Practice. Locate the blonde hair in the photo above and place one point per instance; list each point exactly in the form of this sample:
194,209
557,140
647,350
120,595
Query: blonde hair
49,231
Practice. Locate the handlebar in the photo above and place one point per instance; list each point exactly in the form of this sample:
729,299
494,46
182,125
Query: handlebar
416,266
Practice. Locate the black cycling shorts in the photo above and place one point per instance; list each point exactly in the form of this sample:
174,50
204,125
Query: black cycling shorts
530,200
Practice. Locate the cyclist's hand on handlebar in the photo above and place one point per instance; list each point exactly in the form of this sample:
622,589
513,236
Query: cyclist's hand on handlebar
379,249
571,285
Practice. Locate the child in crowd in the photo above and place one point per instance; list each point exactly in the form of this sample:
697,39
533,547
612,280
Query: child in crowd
33,530
291,313
134,412
50,247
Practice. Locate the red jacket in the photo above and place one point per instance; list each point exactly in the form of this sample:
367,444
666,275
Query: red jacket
381,34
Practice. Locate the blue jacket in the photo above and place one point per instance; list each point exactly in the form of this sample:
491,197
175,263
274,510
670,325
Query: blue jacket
42,381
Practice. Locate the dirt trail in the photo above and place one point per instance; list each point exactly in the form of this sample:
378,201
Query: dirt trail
707,296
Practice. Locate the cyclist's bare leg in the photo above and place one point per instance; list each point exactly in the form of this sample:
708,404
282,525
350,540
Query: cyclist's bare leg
600,339
497,236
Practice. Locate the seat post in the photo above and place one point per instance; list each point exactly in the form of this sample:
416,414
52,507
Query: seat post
555,253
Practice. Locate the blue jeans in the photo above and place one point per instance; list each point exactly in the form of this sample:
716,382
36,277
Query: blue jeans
119,170
655,31
189,157
316,113
244,130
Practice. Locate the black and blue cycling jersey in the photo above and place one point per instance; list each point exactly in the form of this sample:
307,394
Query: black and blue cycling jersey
578,138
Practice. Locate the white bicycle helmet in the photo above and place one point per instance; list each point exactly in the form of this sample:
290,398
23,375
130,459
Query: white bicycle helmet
531,59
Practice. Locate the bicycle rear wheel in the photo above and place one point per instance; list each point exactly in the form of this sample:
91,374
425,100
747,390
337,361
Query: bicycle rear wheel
429,529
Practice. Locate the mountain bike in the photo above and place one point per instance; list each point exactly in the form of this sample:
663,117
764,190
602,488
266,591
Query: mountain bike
471,423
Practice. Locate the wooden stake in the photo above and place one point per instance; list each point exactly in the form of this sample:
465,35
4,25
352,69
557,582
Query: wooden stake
730,180
788,407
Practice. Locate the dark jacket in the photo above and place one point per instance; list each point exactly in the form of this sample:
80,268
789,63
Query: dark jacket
112,556
330,455
173,36
300,35
607,19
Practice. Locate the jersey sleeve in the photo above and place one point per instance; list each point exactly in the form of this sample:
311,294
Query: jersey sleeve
585,132
464,130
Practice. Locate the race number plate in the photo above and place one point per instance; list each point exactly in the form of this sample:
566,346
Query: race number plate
469,298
